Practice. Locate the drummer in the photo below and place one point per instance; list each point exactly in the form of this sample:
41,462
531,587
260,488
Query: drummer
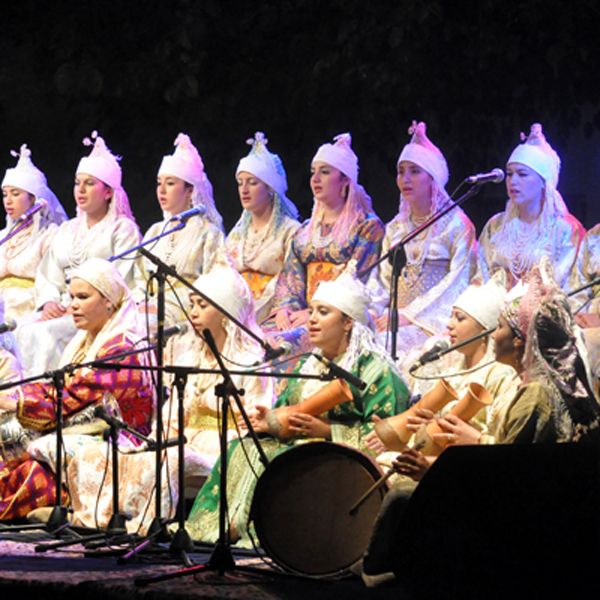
340,330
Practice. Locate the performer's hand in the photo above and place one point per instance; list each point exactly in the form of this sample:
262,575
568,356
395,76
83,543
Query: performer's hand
456,432
282,319
382,322
421,418
258,419
53,310
373,441
412,463
8,400
299,317
304,425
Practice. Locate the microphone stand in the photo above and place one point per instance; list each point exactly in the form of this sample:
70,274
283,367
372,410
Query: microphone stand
57,522
20,226
221,559
180,542
397,256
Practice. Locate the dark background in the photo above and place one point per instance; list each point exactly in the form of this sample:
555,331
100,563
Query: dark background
302,71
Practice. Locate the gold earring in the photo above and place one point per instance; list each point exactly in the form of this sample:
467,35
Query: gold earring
224,323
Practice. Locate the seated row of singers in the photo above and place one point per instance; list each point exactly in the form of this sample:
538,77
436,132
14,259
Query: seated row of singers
540,393
281,260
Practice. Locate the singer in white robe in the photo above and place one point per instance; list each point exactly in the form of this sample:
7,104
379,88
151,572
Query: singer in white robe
25,189
104,227
181,185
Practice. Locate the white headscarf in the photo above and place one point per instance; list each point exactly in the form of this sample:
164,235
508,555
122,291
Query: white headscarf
124,319
228,289
104,165
269,169
424,153
484,303
26,176
186,163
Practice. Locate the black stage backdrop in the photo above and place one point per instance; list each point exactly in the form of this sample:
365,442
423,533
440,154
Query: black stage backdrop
302,71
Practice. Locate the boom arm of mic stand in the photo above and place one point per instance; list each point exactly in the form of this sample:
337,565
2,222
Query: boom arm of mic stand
171,272
147,242
16,230
417,230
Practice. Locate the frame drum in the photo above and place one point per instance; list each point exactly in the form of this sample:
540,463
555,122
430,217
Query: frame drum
301,508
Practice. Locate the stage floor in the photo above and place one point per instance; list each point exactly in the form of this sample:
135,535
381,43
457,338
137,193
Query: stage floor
67,573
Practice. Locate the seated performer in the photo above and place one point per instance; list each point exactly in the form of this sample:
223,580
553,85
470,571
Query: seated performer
536,336
107,321
90,481
439,262
476,310
260,241
342,226
22,187
536,221
181,184
338,328
103,227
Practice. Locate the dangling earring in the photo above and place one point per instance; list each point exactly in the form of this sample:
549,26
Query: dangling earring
224,323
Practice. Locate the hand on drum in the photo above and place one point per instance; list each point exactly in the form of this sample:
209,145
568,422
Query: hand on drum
53,310
303,425
456,432
421,418
412,463
257,418
373,441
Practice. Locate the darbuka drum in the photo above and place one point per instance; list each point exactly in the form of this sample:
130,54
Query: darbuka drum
301,508
14,439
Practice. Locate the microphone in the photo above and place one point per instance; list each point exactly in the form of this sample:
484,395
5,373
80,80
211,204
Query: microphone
274,353
28,214
9,325
494,176
101,413
341,373
432,354
177,329
190,212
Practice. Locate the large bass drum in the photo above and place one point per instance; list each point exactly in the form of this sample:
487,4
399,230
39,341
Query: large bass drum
301,508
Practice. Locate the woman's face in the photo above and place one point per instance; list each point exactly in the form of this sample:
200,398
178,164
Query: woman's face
174,194
205,316
255,195
506,343
89,308
328,328
328,184
92,195
414,183
524,185
16,201
461,327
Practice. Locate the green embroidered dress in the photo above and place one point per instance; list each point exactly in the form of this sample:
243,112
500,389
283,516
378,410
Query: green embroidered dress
385,395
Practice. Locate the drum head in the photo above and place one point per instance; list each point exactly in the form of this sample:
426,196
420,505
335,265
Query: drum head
301,508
